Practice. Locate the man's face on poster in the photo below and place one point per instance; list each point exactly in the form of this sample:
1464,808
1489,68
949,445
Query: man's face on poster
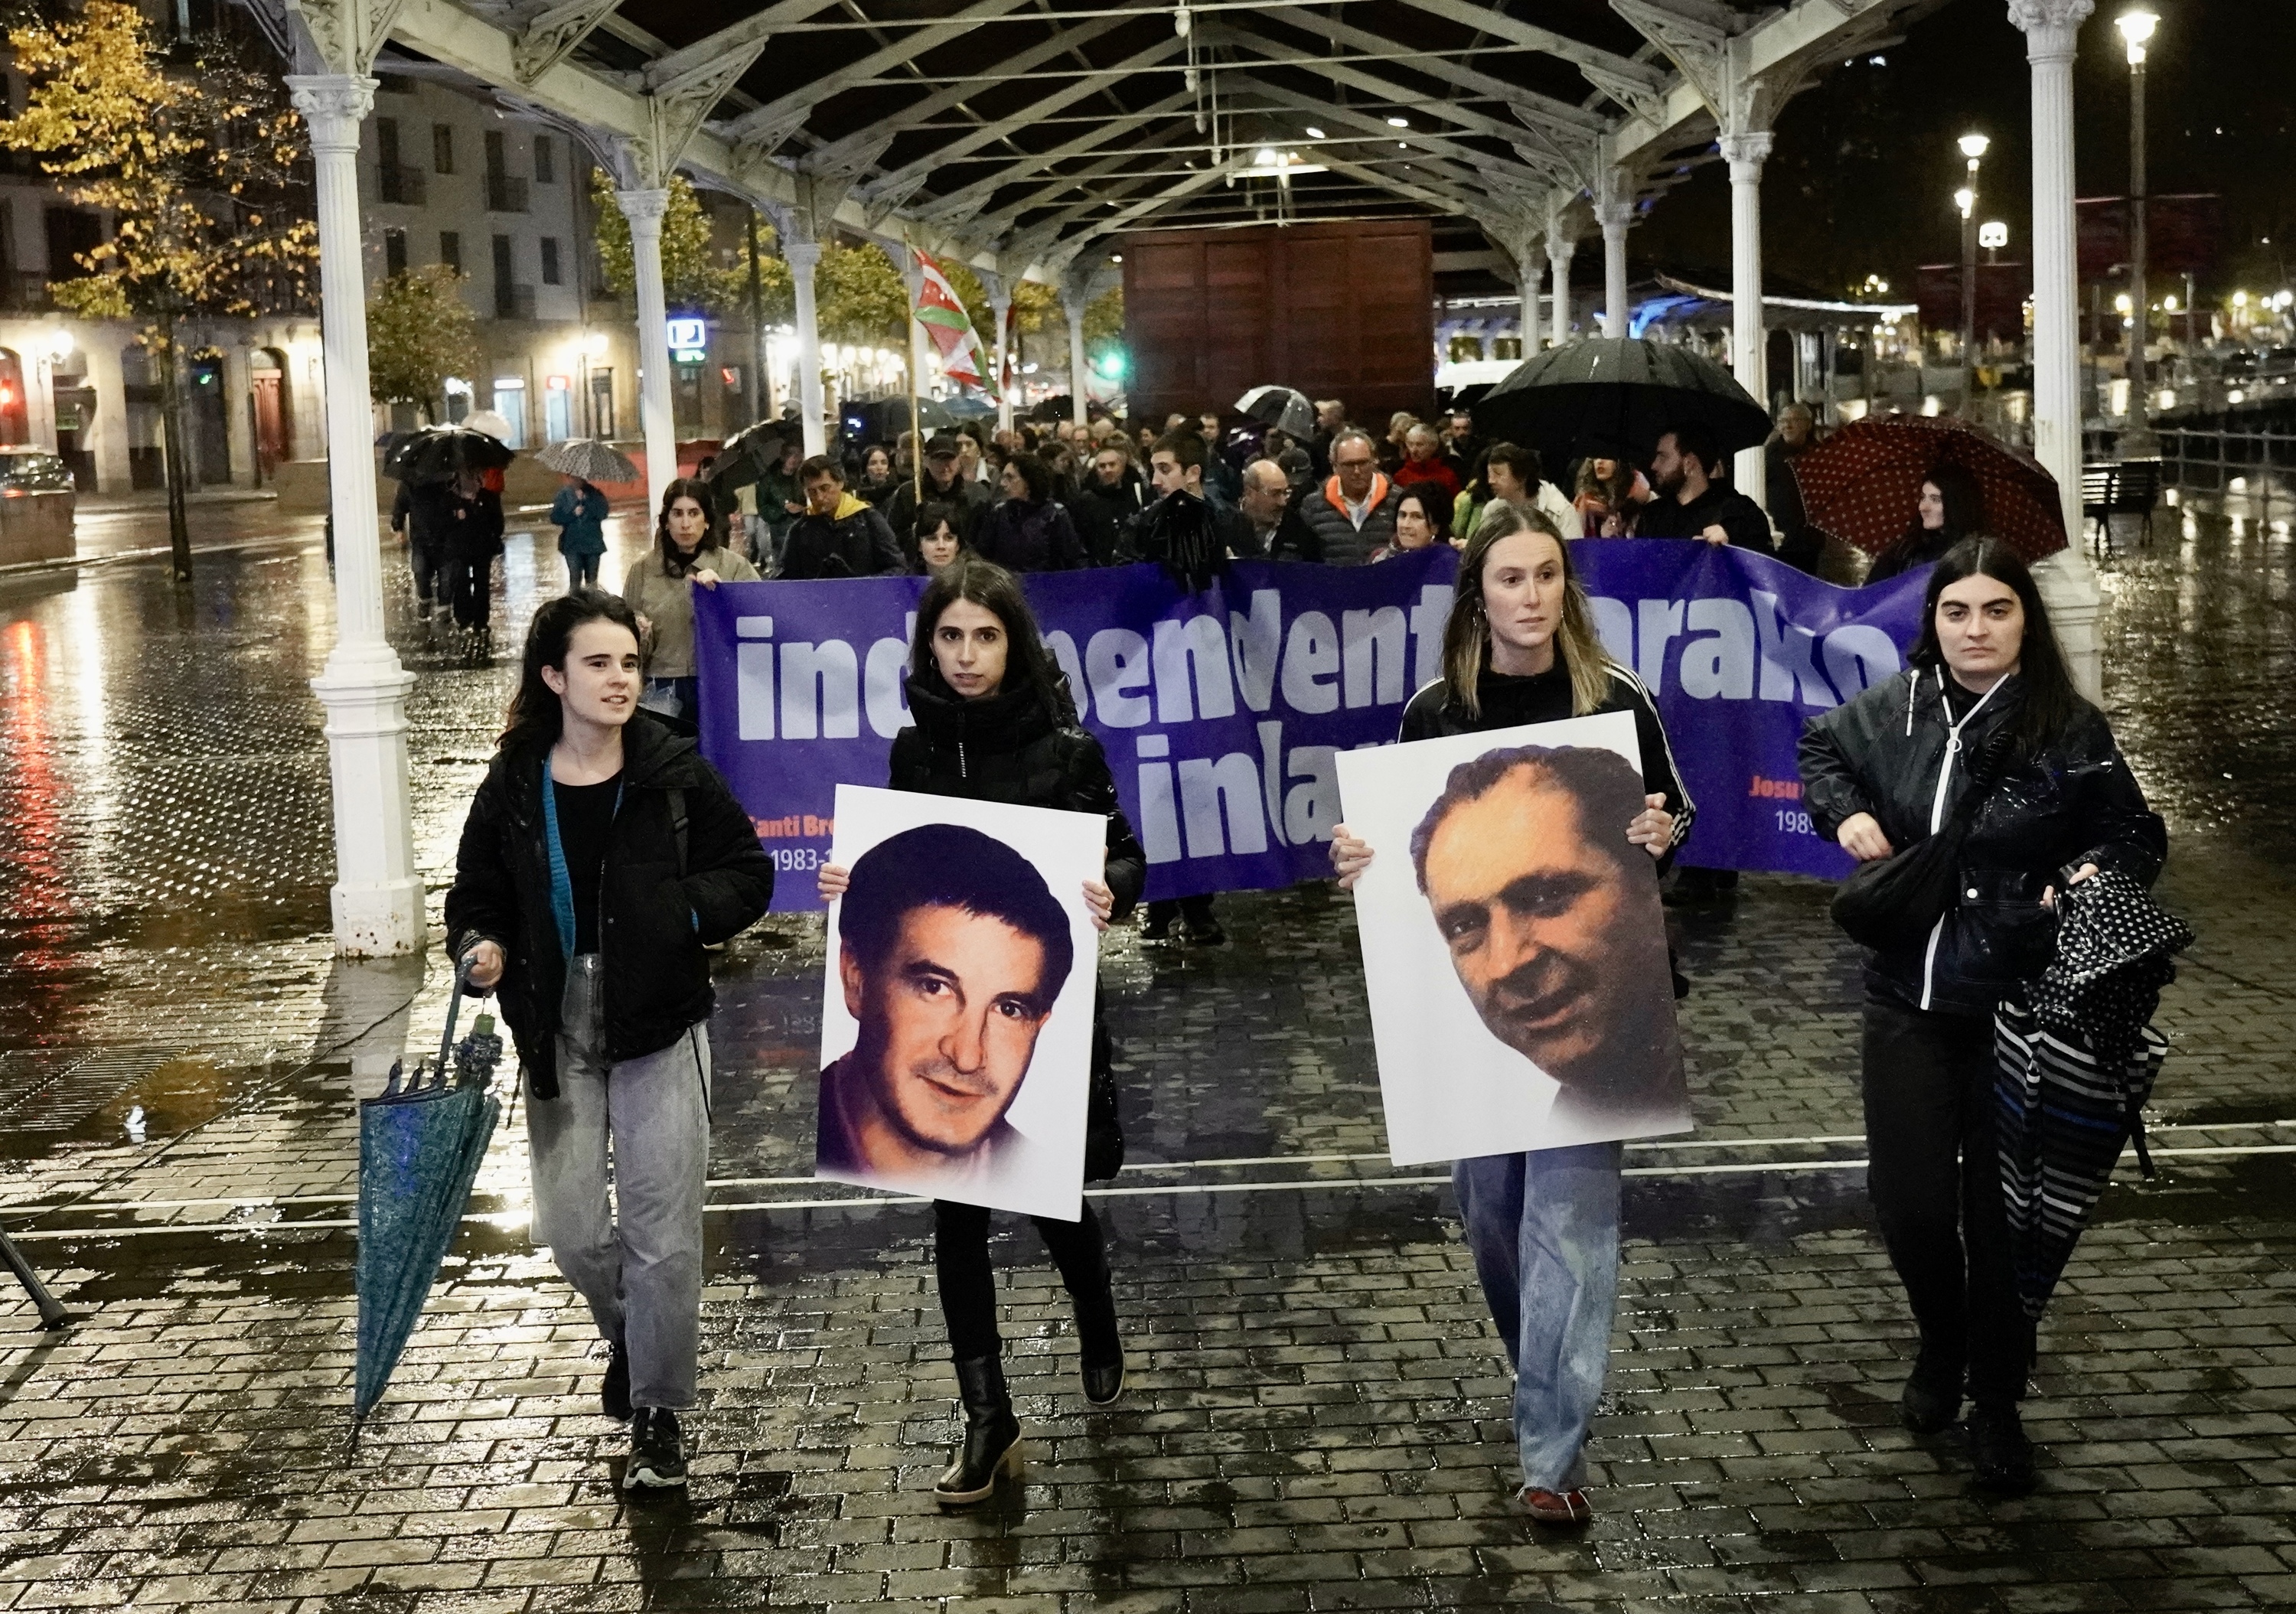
948,1023
1541,926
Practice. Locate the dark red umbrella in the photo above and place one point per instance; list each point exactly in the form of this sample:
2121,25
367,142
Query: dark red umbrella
1862,483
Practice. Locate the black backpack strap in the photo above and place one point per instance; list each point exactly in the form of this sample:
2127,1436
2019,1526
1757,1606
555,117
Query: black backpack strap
677,823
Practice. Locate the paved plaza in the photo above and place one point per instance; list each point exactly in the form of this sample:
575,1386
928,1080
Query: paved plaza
1317,1414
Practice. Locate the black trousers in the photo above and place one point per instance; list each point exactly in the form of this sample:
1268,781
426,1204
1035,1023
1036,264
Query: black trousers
473,584
968,1282
1935,1181
433,576
1195,912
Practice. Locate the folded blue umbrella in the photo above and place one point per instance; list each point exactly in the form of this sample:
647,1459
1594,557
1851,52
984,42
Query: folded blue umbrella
420,1146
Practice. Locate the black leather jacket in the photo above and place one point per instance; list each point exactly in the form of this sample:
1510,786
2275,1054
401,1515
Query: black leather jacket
653,922
1892,753
1008,747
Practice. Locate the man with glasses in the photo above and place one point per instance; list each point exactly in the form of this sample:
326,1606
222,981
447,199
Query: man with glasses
1352,515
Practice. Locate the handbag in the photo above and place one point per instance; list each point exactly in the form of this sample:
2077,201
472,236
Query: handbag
1892,898
1103,1128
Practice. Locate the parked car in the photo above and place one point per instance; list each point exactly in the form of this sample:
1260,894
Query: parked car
37,497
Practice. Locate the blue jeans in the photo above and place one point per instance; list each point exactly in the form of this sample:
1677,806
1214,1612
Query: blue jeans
1543,1228
581,571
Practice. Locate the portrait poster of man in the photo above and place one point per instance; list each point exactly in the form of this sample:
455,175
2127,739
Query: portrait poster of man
1515,948
956,1017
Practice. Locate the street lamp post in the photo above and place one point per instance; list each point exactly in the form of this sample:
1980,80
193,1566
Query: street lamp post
1972,147
2137,441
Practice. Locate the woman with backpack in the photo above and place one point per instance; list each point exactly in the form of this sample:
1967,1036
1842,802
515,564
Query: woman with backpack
600,857
995,722
1985,722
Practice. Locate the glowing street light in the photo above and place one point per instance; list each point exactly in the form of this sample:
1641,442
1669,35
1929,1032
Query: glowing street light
1972,147
2137,27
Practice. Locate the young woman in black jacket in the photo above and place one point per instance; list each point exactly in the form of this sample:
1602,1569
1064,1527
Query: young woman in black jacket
1985,689
1543,1226
995,723
601,857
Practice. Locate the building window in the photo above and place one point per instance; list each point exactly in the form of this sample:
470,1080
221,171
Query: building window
386,142
550,276
450,250
546,161
442,147
394,251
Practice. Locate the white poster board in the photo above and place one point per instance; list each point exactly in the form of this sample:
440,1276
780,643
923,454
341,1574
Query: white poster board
1538,1011
956,1008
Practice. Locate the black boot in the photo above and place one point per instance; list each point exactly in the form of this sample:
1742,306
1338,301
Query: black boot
1931,1399
992,1434
1097,1342
1998,1450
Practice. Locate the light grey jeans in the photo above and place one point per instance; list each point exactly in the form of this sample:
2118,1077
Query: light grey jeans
641,1272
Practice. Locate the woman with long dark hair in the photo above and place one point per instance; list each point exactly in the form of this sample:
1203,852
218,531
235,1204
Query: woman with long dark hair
1986,706
995,723
878,484
1519,647
1030,530
1949,508
660,588
600,857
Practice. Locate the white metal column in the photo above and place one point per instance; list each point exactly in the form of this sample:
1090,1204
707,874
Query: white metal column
1559,249
1614,216
2068,582
377,898
804,257
657,418
1527,276
1073,305
1746,151
1000,304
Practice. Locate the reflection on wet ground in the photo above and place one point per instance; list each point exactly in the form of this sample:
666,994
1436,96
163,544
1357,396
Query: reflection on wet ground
1317,1415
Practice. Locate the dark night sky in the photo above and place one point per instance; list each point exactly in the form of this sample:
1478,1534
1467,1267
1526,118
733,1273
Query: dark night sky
1862,178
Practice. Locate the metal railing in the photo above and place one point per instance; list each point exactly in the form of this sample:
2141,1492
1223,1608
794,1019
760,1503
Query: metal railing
400,184
505,194
2206,461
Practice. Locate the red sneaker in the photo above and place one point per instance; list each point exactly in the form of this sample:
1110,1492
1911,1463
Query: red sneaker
1555,1507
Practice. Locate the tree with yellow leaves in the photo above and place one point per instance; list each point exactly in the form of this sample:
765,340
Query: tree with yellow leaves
199,162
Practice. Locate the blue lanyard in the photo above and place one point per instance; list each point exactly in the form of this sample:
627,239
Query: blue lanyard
562,884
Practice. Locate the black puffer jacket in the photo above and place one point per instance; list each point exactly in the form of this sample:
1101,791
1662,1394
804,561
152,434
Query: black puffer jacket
1008,747
654,922
1891,752
1021,537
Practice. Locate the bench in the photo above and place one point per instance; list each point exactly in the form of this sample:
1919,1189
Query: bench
2130,487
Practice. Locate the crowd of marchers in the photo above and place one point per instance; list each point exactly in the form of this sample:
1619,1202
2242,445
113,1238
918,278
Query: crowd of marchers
603,857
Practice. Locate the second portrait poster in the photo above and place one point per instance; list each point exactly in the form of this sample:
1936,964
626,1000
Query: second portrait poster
1514,947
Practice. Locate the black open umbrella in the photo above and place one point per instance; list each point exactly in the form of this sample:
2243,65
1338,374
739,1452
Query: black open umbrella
1285,408
1620,394
439,454
750,452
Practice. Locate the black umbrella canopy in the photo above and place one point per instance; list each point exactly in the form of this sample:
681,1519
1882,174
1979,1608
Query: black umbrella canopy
1620,394
751,452
1285,408
439,454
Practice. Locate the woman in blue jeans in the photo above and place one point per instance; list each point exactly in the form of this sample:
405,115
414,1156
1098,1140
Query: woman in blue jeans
1519,647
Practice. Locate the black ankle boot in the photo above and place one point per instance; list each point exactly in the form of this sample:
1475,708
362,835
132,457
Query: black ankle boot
1102,1351
992,1434
1998,1450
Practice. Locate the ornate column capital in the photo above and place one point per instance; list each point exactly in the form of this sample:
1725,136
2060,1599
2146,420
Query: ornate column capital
333,106
1746,152
801,254
644,208
1614,217
2052,28
1559,246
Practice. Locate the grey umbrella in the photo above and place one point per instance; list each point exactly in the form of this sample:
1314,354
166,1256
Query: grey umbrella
589,459
1285,408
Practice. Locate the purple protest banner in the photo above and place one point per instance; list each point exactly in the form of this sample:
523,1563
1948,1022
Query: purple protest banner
1221,712
1740,650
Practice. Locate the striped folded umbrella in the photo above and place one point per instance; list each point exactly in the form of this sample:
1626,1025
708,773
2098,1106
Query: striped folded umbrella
2064,1116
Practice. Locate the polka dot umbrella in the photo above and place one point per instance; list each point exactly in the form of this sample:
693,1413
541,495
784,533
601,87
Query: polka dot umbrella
1862,483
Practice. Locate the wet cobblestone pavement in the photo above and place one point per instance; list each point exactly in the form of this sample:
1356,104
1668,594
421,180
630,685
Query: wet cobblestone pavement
1317,1414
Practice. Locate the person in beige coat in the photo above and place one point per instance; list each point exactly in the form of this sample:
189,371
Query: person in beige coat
660,589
